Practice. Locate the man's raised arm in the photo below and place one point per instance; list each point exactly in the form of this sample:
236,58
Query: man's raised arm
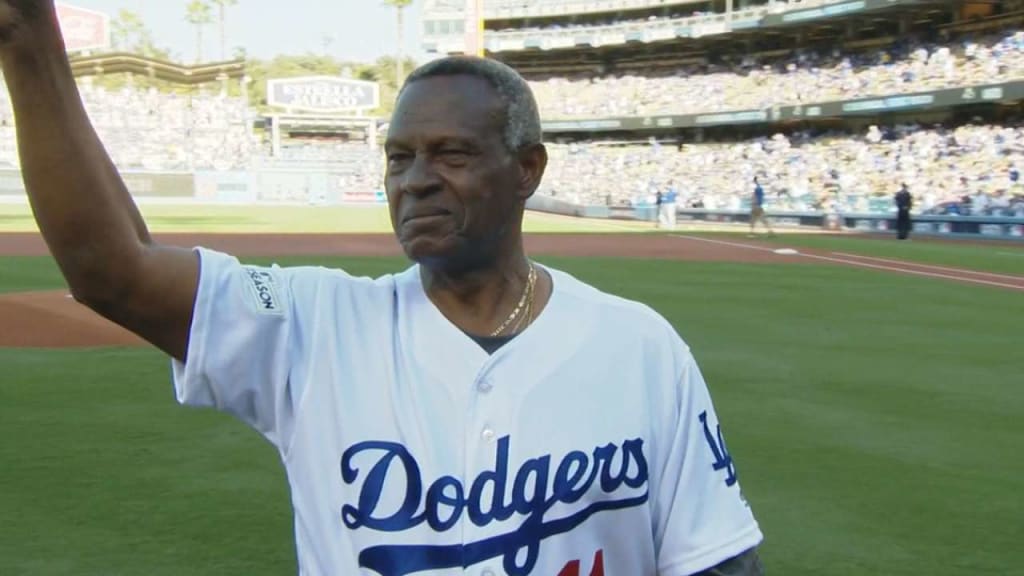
88,219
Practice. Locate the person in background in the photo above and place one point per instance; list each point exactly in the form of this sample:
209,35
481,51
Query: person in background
757,209
668,206
659,199
904,202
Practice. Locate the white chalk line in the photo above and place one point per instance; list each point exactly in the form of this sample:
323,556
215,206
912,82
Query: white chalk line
931,266
858,263
724,243
916,272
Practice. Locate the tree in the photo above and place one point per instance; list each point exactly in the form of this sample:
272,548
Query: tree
198,14
129,33
125,29
221,9
400,6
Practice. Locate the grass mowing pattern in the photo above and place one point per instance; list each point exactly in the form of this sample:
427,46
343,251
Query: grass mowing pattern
873,418
104,474
995,257
27,273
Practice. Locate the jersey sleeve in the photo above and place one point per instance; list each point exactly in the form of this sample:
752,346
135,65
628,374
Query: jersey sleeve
238,357
701,516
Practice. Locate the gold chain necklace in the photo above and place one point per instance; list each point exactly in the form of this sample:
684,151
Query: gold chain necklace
526,299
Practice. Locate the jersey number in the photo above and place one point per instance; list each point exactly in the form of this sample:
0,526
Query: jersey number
573,568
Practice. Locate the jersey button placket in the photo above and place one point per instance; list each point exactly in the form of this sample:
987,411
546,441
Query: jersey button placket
485,385
482,436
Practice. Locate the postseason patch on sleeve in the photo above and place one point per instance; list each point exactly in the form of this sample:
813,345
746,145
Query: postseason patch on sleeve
263,292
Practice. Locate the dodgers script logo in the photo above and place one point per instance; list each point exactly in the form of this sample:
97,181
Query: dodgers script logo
533,492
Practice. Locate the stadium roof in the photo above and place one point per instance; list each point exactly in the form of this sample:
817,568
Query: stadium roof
123,62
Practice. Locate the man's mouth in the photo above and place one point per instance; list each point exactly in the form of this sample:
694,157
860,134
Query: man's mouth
423,214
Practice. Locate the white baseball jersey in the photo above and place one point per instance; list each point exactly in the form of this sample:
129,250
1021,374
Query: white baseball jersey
588,445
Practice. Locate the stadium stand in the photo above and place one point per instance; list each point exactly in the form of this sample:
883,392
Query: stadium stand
965,160
805,171
806,76
599,66
153,130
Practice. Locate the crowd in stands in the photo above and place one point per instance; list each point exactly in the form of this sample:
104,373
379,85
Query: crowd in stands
972,169
352,166
146,129
676,13
803,78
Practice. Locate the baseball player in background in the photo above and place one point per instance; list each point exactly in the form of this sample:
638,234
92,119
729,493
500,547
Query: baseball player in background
757,209
477,413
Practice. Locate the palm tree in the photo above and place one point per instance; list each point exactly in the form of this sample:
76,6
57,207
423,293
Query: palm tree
221,6
123,29
400,6
198,14
128,33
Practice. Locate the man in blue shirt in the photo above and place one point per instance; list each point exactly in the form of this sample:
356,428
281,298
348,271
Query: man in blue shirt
757,209
668,206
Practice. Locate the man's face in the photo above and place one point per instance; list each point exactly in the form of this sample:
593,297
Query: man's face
454,189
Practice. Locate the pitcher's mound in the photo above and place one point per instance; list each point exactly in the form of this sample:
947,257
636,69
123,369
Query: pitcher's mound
55,320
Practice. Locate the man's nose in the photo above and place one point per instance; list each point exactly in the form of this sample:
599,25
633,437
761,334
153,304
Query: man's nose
420,178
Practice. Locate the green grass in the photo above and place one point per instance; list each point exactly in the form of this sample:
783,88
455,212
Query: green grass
998,257
104,474
25,273
874,420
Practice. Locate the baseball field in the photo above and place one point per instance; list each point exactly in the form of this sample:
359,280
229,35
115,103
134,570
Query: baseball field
870,393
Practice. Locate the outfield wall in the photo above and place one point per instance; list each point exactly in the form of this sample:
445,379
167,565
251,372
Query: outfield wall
1009,228
255,186
929,225
267,186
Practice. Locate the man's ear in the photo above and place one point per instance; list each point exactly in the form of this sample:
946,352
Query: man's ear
533,160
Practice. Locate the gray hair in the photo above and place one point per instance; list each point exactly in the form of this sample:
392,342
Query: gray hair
522,120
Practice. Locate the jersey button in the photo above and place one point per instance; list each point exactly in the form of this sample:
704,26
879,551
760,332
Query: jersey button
488,434
487,572
484,386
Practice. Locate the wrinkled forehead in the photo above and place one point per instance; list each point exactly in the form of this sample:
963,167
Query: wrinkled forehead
461,107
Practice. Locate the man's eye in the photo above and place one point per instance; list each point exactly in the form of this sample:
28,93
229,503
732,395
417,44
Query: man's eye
398,157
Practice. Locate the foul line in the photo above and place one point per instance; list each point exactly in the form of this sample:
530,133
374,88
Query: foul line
723,242
916,272
933,267
856,263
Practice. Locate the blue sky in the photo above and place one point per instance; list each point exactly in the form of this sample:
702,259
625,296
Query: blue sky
361,30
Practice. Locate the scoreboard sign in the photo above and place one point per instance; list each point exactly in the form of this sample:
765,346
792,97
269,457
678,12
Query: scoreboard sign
83,29
324,94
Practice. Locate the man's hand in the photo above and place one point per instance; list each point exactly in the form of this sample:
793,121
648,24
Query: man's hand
22,21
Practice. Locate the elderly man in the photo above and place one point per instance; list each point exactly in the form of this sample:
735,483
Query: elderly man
475,413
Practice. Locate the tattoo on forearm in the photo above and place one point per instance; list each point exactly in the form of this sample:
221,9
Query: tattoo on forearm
746,564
